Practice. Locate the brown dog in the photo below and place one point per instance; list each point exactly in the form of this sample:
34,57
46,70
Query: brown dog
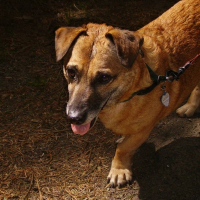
108,77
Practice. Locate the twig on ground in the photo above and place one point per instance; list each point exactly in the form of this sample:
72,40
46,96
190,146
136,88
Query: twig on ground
32,178
69,192
40,193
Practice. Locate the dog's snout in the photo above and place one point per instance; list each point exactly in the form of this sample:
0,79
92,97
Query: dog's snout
77,118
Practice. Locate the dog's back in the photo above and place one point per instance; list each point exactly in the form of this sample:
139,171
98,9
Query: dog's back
176,32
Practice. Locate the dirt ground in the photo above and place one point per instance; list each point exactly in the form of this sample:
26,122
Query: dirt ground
40,157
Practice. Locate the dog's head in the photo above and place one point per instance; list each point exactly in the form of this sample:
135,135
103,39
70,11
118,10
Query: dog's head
97,62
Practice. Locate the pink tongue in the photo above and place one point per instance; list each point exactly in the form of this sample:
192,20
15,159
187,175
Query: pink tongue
80,129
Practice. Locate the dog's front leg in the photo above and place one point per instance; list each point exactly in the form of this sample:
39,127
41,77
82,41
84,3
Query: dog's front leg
121,172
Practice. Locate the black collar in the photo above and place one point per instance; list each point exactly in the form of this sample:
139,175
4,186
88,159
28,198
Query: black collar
157,79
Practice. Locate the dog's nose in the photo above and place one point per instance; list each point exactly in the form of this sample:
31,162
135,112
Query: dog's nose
77,119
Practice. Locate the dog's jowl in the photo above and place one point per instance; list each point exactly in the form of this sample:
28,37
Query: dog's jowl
113,75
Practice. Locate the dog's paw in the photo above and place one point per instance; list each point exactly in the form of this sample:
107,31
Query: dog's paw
186,110
119,177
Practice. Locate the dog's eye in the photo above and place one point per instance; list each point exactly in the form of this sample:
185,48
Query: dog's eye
104,79
71,73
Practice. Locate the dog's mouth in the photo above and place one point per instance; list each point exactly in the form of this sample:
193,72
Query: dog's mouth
83,129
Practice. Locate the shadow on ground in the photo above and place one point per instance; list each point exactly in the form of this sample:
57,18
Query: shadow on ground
172,172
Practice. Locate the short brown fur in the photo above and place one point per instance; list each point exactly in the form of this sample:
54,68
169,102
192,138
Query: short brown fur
169,42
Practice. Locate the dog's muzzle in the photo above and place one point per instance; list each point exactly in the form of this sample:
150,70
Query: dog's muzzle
78,119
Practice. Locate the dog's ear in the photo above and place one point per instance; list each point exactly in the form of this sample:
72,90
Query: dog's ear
127,44
65,37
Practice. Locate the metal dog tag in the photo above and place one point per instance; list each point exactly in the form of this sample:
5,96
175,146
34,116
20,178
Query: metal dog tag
165,99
